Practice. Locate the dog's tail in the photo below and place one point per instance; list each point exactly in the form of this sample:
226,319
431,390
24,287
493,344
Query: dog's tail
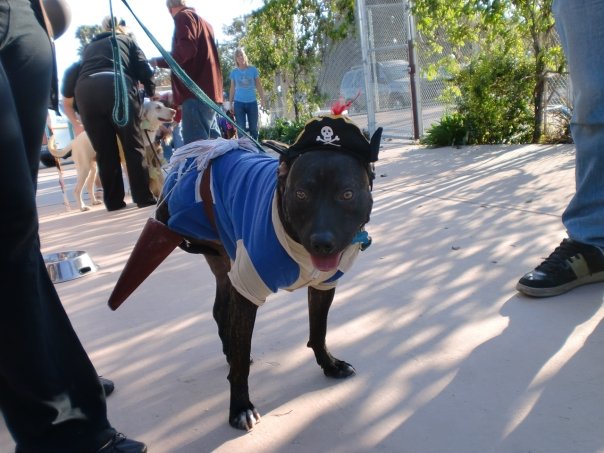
52,148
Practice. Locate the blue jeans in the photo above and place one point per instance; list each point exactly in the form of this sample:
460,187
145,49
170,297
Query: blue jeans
177,140
198,121
249,111
580,26
168,148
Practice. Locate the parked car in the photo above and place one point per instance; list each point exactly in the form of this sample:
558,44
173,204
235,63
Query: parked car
392,84
63,136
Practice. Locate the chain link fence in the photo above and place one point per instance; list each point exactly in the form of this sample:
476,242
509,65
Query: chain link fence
383,66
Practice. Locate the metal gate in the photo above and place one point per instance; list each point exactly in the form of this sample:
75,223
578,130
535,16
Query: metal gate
380,68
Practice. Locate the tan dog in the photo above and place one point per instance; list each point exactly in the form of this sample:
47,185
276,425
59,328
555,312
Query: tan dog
84,157
154,113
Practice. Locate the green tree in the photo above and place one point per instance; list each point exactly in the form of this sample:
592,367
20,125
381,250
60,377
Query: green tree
509,27
85,33
536,20
286,40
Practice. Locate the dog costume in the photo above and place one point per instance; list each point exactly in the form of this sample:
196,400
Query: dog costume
244,215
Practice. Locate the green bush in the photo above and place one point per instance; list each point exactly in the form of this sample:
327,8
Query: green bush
283,130
494,103
449,131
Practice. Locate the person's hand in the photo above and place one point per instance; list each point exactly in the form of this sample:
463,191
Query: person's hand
77,128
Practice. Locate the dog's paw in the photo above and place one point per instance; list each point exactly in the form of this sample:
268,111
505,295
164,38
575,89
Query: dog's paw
84,208
339,369
97,202
245,419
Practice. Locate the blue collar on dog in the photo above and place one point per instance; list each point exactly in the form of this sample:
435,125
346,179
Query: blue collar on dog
363,238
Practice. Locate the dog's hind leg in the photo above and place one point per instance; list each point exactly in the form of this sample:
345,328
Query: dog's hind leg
83,176
319,303
235,316
90,184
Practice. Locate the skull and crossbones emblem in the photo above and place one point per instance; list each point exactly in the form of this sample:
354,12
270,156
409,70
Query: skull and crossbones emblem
327,136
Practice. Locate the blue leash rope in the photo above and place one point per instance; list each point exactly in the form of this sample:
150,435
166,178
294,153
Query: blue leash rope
188,82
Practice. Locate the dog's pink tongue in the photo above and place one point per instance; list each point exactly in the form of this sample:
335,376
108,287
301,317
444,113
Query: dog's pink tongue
325,263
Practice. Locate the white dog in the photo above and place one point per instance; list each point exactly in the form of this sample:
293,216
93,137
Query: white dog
154,113
84,157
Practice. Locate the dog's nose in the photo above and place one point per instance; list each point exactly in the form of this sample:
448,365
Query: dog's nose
322,243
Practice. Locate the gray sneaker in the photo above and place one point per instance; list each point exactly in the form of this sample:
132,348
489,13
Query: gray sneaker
572,264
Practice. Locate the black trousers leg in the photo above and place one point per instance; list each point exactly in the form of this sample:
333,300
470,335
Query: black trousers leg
94,96
131,136
50,395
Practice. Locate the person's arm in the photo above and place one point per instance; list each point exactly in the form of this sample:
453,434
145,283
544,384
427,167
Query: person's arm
69,110
158,62
260,92
141,68
232,96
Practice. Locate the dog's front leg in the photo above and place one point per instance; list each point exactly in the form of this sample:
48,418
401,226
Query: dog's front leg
319,303
220,266
242,315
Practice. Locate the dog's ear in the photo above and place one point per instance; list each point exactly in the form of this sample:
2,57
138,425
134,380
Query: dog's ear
374,145
282,173
276,146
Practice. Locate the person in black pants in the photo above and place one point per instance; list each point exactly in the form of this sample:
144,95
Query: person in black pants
95,97
50,395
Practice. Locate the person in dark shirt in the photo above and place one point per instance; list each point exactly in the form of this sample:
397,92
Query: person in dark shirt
95,98
70,76
50,394
194,49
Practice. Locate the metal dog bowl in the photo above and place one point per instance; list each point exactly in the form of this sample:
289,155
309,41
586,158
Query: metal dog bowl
65,266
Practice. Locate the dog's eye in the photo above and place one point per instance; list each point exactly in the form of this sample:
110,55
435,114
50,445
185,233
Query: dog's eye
300,195
347,195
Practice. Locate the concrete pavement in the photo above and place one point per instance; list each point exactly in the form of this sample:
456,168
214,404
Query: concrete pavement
449,357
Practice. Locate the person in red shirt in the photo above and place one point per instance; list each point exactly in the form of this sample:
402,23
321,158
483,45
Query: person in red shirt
194,49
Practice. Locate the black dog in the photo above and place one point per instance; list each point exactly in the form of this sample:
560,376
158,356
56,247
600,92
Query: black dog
280,225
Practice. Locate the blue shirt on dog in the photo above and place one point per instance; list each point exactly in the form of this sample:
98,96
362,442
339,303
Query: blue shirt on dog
263,257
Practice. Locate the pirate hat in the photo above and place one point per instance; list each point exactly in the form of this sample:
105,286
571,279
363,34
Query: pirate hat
335,133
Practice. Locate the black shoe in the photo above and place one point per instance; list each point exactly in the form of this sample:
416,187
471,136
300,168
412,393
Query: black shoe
144,204
108,385
121,205
572,264
121,444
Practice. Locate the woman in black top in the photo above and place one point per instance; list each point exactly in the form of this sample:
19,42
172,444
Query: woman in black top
95,97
